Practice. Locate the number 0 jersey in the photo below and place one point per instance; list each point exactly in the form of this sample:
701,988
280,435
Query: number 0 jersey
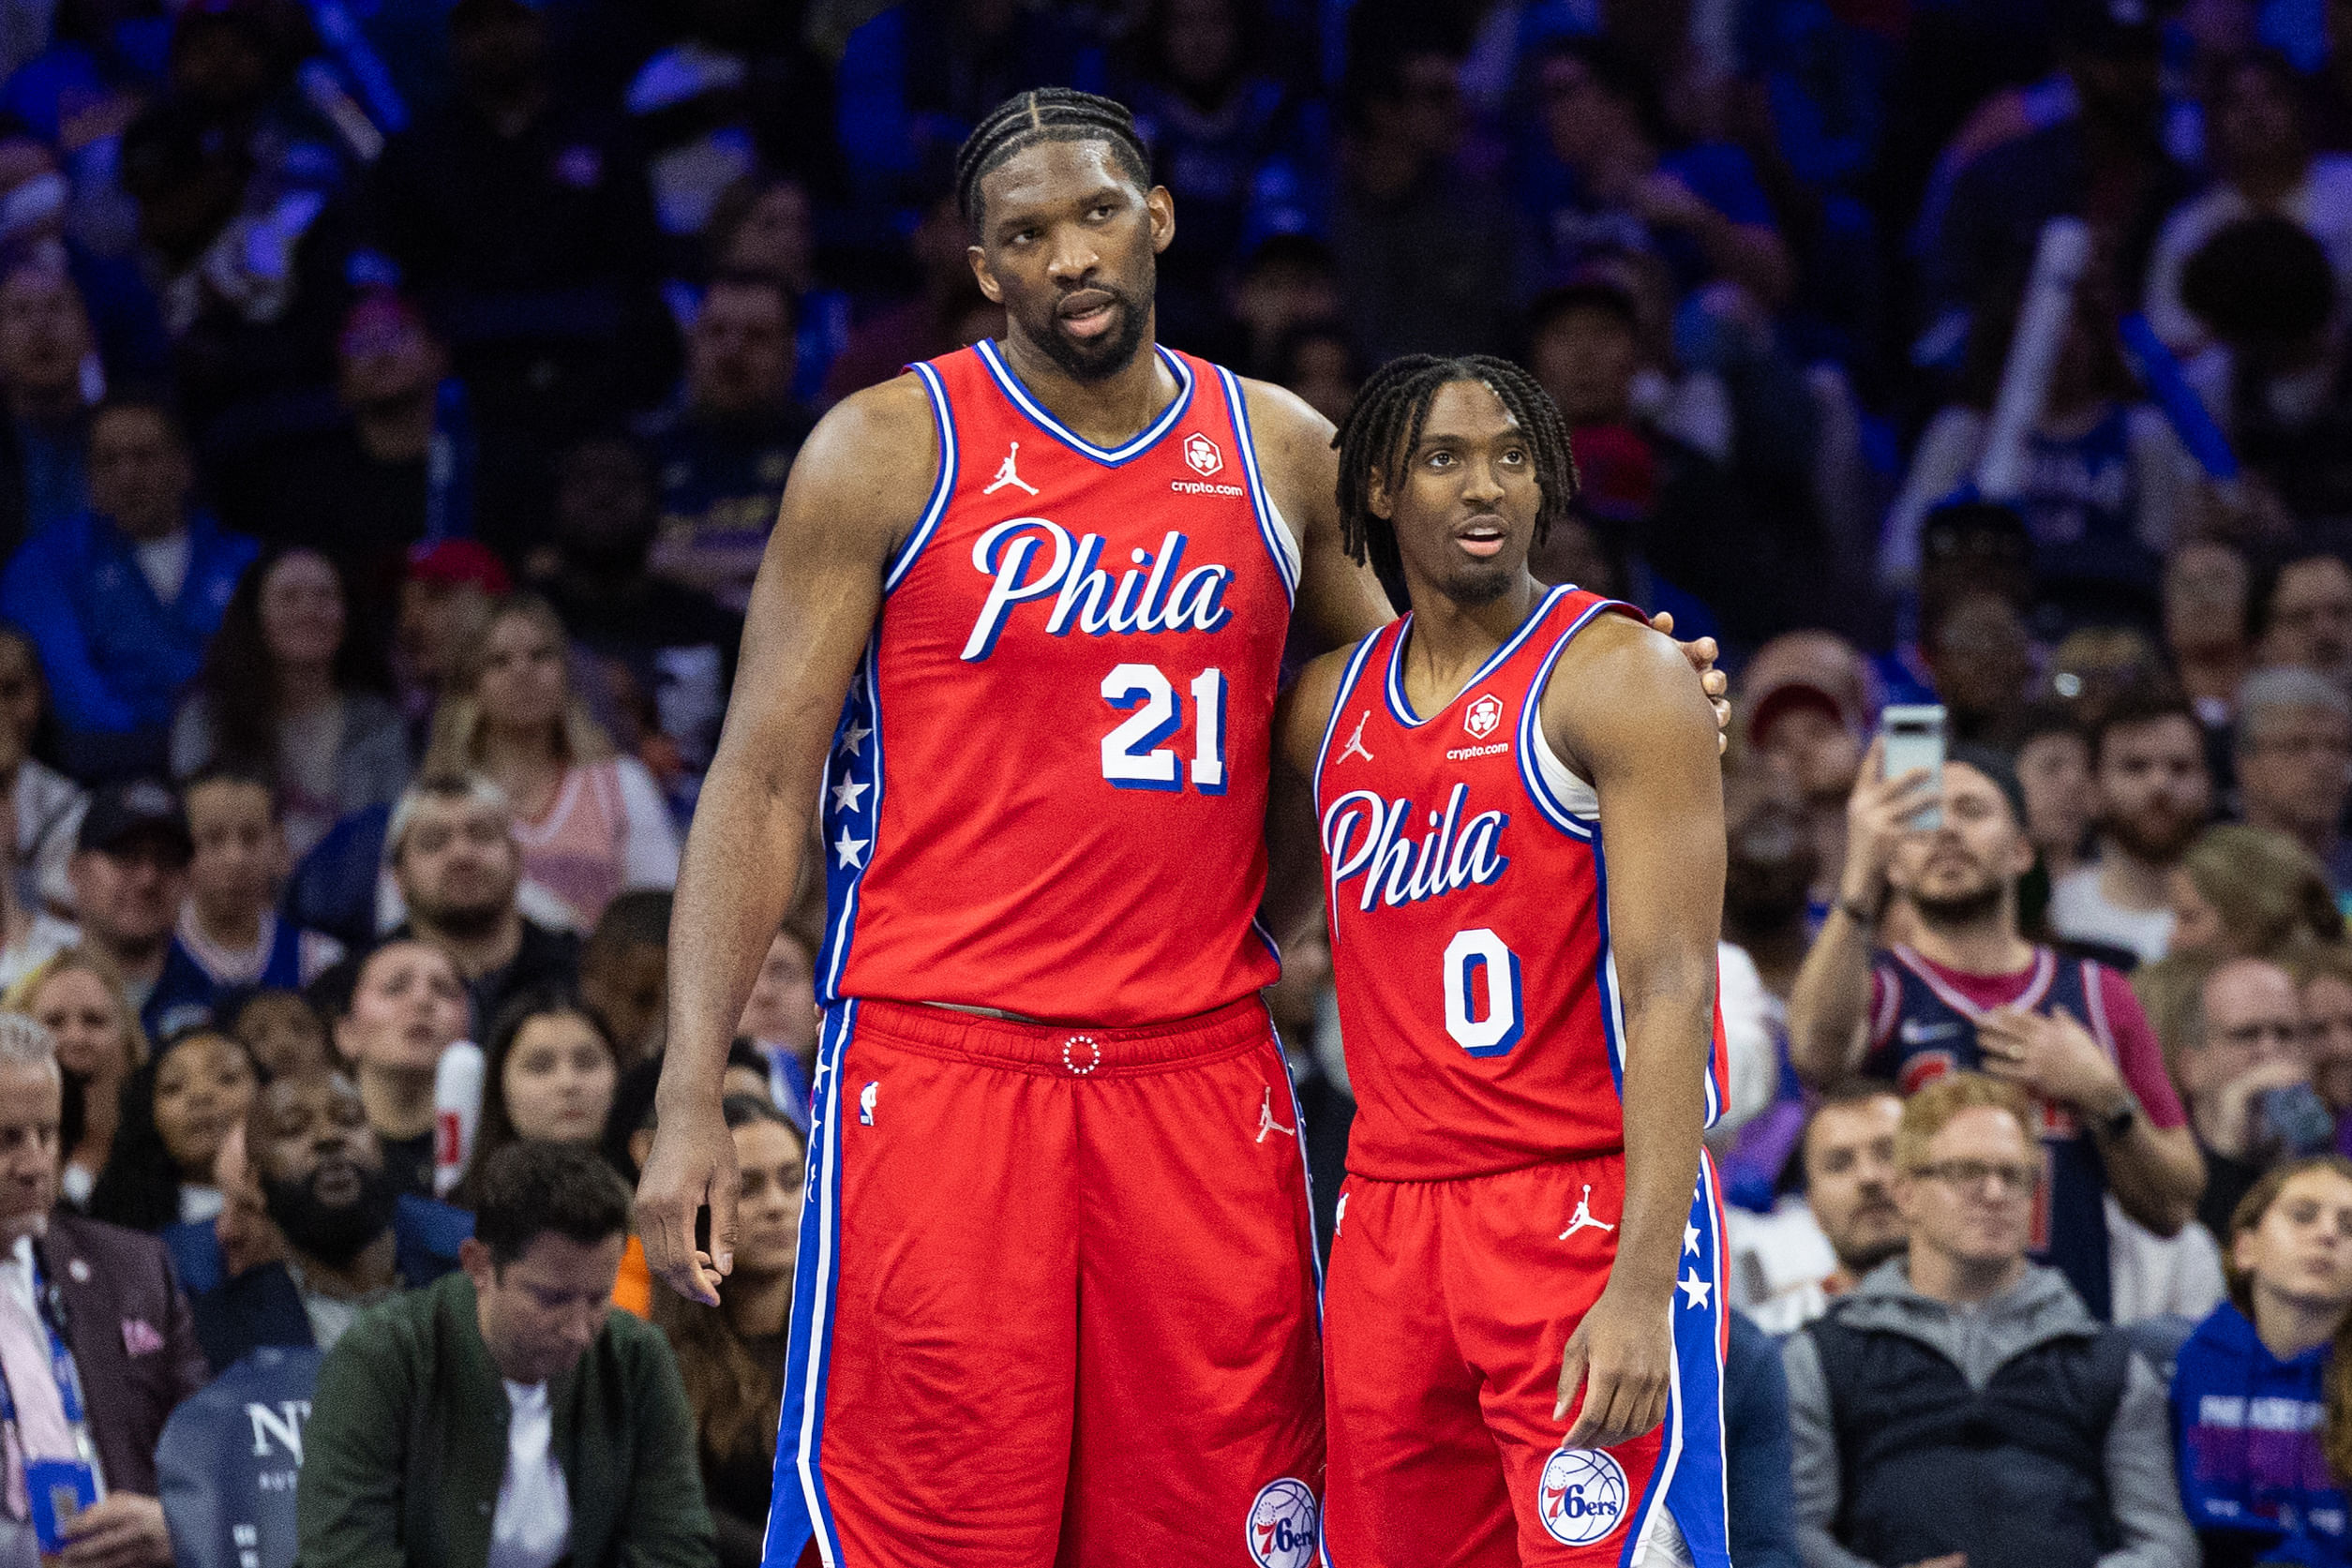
1469,917
1047,791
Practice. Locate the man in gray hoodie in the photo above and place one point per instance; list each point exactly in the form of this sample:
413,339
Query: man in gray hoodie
1960,1408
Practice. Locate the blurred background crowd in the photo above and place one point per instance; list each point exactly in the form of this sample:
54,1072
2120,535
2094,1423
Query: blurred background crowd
394,399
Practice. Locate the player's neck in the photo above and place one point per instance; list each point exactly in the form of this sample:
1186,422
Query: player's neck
1109,410
1452,637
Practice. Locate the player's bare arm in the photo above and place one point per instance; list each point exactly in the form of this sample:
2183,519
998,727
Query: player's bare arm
1623,712
857,489
1293,856
1340,599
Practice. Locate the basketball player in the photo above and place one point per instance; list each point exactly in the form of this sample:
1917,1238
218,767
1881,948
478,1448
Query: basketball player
1523,1332
1020,624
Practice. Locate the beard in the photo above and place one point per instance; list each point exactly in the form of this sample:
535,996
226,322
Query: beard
2157,837
1965,906
1100,358
333,1233
467,923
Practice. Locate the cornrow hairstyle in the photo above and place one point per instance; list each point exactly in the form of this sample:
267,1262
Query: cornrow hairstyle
1045,115
1384,427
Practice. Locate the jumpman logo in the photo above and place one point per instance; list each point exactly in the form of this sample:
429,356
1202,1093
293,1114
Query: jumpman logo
1582,1218
1008,474
1355,746
1266,1119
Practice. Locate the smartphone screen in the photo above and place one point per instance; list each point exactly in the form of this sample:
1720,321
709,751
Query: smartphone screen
1914,740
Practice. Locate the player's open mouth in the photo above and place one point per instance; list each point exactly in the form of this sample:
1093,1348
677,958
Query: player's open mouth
1481,536
1089,312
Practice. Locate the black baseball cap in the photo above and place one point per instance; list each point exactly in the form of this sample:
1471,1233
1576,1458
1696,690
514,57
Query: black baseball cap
120,812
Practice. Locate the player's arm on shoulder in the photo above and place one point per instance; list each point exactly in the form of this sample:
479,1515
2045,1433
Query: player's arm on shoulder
1340,599
1626,715
1294,843
1303,713
1623,712
857,489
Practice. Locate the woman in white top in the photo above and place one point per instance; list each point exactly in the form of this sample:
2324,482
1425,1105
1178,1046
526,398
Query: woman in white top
590,822
296,691
78,998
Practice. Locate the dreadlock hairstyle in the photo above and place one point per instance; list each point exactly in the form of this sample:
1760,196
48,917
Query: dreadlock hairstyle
1384,427
1045,115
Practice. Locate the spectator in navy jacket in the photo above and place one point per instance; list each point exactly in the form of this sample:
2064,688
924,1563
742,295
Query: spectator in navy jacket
121,599
2260,1410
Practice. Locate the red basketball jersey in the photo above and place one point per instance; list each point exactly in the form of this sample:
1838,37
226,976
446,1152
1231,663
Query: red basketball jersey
1470,918
1047,791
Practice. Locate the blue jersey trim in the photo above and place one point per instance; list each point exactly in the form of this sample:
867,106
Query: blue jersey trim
858,825
942,487
1403,709
1277,542
1010,384
799,1507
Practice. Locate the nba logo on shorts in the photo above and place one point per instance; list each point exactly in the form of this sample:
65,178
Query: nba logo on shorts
1203,455
1582,1497
1282,1525
1482,716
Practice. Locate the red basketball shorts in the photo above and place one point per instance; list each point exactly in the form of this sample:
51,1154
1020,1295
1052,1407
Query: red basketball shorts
1447,1308
1056,1300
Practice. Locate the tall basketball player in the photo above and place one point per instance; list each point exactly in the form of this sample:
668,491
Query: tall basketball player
1019,625
1522,835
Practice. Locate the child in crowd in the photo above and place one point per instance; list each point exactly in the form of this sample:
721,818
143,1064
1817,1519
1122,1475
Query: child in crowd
230,939
2261,1407
284,1033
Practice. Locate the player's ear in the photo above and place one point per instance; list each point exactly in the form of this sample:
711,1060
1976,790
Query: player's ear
987,279
1161,208
1377,500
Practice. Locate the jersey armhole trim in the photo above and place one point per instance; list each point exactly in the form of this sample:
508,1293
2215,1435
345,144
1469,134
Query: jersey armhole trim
1563,799
942,486
1338,706
1280,544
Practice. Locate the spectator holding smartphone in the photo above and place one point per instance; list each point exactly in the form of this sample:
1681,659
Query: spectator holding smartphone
1968,993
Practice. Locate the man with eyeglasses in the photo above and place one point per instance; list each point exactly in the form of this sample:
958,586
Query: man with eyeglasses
1960,1407
1963,991
2245,1070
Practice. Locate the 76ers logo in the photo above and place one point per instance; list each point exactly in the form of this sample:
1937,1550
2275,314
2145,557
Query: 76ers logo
1203,455
1282,1525
1482,716
1583,1496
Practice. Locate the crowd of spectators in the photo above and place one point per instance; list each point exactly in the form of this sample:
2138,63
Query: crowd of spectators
395,401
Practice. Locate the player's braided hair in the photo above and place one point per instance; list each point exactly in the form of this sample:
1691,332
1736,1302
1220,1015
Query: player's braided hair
1045,115
1384,427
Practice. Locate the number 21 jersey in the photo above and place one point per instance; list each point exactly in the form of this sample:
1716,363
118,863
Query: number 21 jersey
1047,790
1469,917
